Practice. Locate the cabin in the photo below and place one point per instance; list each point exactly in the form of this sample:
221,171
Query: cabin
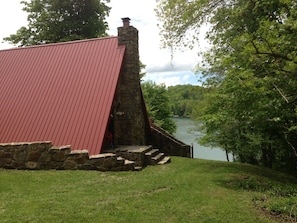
84,93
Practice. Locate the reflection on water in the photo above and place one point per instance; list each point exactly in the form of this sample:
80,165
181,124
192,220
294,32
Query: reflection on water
186,134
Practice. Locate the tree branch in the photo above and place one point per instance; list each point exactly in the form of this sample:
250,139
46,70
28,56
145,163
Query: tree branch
277,55
272,53
292,147
281,93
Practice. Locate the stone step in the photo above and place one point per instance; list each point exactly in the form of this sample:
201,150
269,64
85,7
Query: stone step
135,153
133,149
152,152
128,165
121,160
133,157
157,158
165,160
138,168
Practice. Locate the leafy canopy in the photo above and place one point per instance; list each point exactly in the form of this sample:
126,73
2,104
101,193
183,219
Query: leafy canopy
250,72
158,106
51,21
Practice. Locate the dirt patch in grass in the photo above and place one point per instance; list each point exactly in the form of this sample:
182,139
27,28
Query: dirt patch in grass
276,216
274,200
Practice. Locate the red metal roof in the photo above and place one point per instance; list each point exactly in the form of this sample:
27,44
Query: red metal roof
59,92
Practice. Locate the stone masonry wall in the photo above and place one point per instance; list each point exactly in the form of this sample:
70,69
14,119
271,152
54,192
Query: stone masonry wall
128,116
44,156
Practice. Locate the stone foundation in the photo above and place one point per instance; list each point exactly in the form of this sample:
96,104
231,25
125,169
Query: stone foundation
44,156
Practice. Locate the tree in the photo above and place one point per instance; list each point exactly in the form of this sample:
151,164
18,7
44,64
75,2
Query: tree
157,103
51,21
142,72
250,71
183,99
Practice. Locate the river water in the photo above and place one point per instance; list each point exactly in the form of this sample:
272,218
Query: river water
186,134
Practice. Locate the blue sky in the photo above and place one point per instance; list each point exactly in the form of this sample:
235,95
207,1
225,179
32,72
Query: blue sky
160,67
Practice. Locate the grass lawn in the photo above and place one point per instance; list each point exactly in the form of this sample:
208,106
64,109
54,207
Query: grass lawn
184,191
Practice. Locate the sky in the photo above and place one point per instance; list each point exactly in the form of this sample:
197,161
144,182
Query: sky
160,68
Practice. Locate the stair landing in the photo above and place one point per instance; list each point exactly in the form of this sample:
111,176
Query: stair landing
142,155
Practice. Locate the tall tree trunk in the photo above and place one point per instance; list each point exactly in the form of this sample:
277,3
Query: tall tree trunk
227,155
268,156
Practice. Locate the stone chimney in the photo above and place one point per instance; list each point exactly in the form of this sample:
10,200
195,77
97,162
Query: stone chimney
129,118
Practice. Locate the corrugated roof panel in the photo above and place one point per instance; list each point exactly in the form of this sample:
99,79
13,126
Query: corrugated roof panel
59,92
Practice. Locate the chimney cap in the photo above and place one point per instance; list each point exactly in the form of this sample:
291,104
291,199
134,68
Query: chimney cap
126,21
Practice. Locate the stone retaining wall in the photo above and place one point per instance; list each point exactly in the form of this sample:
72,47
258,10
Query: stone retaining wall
44,156
168,144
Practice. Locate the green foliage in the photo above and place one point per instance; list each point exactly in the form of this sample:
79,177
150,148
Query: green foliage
157,103
51,21
183,99
250,74
142,73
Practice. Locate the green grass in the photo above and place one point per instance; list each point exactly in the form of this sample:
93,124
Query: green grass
186,190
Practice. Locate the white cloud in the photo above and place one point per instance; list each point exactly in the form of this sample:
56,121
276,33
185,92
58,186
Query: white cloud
173,78
11,19
159,65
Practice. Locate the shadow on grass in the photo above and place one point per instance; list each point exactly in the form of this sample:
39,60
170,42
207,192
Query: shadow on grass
275,193
243,172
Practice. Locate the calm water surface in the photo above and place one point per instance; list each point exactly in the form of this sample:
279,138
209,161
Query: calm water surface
186,134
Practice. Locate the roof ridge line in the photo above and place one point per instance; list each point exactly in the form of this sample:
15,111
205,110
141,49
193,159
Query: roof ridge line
60,43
